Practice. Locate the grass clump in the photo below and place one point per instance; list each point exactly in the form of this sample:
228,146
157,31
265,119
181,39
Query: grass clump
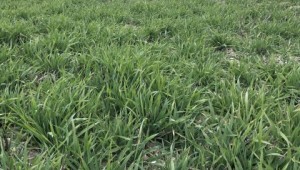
149,85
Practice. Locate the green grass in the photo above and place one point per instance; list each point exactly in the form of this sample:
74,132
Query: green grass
149,84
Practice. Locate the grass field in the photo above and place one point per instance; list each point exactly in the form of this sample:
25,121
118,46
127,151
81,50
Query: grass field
149,84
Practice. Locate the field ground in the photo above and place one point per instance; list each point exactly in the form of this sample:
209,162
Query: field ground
150,84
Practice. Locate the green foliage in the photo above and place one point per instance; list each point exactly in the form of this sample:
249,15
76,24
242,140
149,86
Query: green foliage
130,84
